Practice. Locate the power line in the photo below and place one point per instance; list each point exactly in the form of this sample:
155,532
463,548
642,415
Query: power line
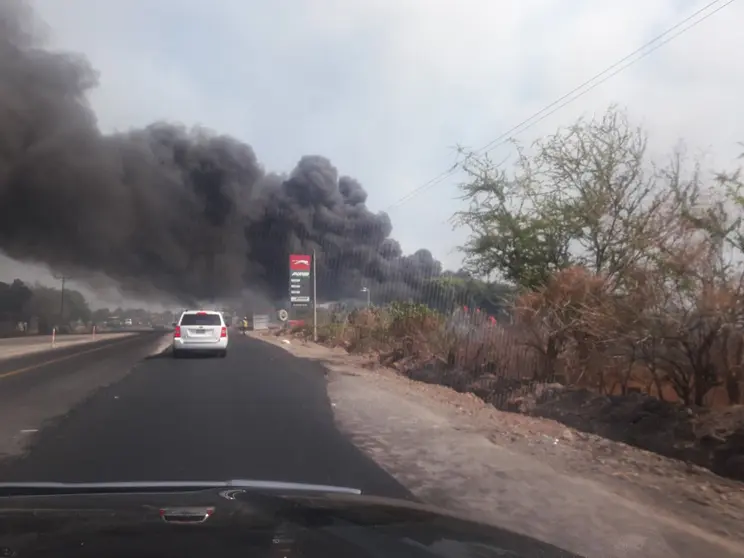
575,93
609,72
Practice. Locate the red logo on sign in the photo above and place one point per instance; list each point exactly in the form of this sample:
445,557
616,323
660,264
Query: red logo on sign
299,262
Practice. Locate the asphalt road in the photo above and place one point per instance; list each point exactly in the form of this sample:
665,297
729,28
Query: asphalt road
260,413
13,342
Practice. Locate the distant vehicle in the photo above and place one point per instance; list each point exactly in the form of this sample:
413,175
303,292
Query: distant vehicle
113,323
128,322
200,331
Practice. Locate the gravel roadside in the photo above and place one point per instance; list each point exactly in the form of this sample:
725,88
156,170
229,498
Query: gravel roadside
536,476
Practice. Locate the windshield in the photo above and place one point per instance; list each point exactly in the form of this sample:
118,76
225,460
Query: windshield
485,257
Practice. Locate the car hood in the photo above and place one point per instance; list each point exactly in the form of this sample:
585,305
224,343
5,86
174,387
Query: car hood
238,518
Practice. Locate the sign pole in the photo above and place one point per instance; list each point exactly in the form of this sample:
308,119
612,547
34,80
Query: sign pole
315,300
302,281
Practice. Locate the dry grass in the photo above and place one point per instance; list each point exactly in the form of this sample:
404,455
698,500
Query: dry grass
410,336
508,367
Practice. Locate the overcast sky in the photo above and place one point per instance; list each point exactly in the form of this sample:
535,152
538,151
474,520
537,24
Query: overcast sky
386,88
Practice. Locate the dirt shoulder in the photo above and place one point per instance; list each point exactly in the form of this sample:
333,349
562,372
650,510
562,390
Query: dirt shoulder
534,475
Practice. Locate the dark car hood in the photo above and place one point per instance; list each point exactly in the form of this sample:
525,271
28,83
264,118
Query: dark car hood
238,518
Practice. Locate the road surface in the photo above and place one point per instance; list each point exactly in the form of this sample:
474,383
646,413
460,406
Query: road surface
124,411
17,346
114,415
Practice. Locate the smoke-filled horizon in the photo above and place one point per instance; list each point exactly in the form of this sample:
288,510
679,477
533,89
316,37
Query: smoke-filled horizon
184,211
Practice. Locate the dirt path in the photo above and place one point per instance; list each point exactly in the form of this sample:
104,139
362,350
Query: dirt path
590,495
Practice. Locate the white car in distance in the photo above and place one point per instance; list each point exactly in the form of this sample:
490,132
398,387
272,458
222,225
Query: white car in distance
200,331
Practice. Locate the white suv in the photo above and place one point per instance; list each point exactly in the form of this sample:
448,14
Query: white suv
202,331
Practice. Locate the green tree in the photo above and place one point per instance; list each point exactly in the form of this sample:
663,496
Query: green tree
14,298
47,304
100,315
452,290
584,196
76,307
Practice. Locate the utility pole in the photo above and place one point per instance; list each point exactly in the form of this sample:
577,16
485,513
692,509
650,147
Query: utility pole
369,296
315,299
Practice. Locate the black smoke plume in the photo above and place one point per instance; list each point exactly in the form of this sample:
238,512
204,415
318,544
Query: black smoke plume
184,211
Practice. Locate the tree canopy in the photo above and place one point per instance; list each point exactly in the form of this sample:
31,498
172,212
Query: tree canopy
617,258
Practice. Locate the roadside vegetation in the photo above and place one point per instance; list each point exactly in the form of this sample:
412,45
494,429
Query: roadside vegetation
617,305
36,309
32,309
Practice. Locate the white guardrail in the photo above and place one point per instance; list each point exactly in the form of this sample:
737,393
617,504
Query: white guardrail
260,321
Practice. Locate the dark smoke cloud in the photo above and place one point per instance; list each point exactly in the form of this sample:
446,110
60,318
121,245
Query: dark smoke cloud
185,211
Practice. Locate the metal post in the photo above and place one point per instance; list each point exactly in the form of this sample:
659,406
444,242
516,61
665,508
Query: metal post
369,296
315,299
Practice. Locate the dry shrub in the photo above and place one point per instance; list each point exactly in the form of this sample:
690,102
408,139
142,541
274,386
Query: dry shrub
479,348
585,333
630,276
579,329
368,330
564,322
412,335
667,320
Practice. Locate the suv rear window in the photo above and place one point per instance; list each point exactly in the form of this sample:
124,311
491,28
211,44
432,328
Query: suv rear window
201,320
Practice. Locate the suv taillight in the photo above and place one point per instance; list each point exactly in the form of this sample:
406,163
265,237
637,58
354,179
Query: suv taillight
177,331
224,332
